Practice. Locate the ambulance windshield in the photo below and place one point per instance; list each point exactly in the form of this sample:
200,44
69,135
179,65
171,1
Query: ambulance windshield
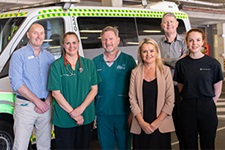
8,28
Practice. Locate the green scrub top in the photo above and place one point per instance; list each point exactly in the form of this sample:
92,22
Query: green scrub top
74,86
112,97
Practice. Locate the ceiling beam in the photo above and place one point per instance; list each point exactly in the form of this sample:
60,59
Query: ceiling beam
112,3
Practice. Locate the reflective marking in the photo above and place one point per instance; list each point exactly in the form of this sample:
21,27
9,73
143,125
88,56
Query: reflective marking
59,12
145,13
5,108
9,15
7,102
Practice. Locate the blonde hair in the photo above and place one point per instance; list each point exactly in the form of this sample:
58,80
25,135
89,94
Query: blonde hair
158,59
110,28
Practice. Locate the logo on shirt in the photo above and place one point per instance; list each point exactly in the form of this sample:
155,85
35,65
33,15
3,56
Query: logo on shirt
121,67
30,57
204,69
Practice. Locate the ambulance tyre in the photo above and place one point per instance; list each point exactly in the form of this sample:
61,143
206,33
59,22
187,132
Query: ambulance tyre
6,135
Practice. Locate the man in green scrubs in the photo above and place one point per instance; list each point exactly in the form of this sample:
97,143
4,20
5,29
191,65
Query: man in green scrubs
112,101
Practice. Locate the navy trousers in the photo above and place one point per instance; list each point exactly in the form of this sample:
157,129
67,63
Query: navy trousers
198,118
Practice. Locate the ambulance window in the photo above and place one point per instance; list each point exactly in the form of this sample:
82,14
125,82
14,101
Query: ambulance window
181,28
8,28
150,27
54,29
90,29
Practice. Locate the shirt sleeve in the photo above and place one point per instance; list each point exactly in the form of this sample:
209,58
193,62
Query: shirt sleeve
133,63
16,71
54,79
177,73
185,49
217,73
95,76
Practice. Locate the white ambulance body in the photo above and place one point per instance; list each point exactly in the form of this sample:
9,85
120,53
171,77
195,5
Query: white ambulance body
134,24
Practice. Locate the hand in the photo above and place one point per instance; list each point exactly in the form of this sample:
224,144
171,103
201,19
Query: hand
41,106
48,102
79,119
147,128
37,110
155,124
76,112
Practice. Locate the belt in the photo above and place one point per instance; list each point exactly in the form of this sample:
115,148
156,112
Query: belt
23,98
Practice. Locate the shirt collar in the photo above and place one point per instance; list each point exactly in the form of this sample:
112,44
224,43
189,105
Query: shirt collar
32,49
117,55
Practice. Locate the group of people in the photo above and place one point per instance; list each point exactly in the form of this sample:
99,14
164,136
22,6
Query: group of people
174,87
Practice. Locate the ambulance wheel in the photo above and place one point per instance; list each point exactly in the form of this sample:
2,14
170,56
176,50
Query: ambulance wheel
6,135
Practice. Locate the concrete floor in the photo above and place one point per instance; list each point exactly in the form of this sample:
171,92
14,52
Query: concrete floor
220,142
220,137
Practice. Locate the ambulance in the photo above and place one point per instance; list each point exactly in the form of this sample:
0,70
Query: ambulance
87,22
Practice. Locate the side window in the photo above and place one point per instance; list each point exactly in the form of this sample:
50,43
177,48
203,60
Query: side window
54,29
150,27
181,28
131,31
8,28
91,27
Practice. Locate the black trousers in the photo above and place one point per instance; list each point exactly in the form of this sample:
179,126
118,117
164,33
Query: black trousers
78,137
176,117
199,117
154,141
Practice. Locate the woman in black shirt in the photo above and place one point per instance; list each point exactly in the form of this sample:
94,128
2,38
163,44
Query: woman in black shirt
199,78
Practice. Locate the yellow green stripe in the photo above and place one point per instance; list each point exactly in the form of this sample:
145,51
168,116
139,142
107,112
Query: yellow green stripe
7,96
58,10
88,12
82,12
9,15
5,108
